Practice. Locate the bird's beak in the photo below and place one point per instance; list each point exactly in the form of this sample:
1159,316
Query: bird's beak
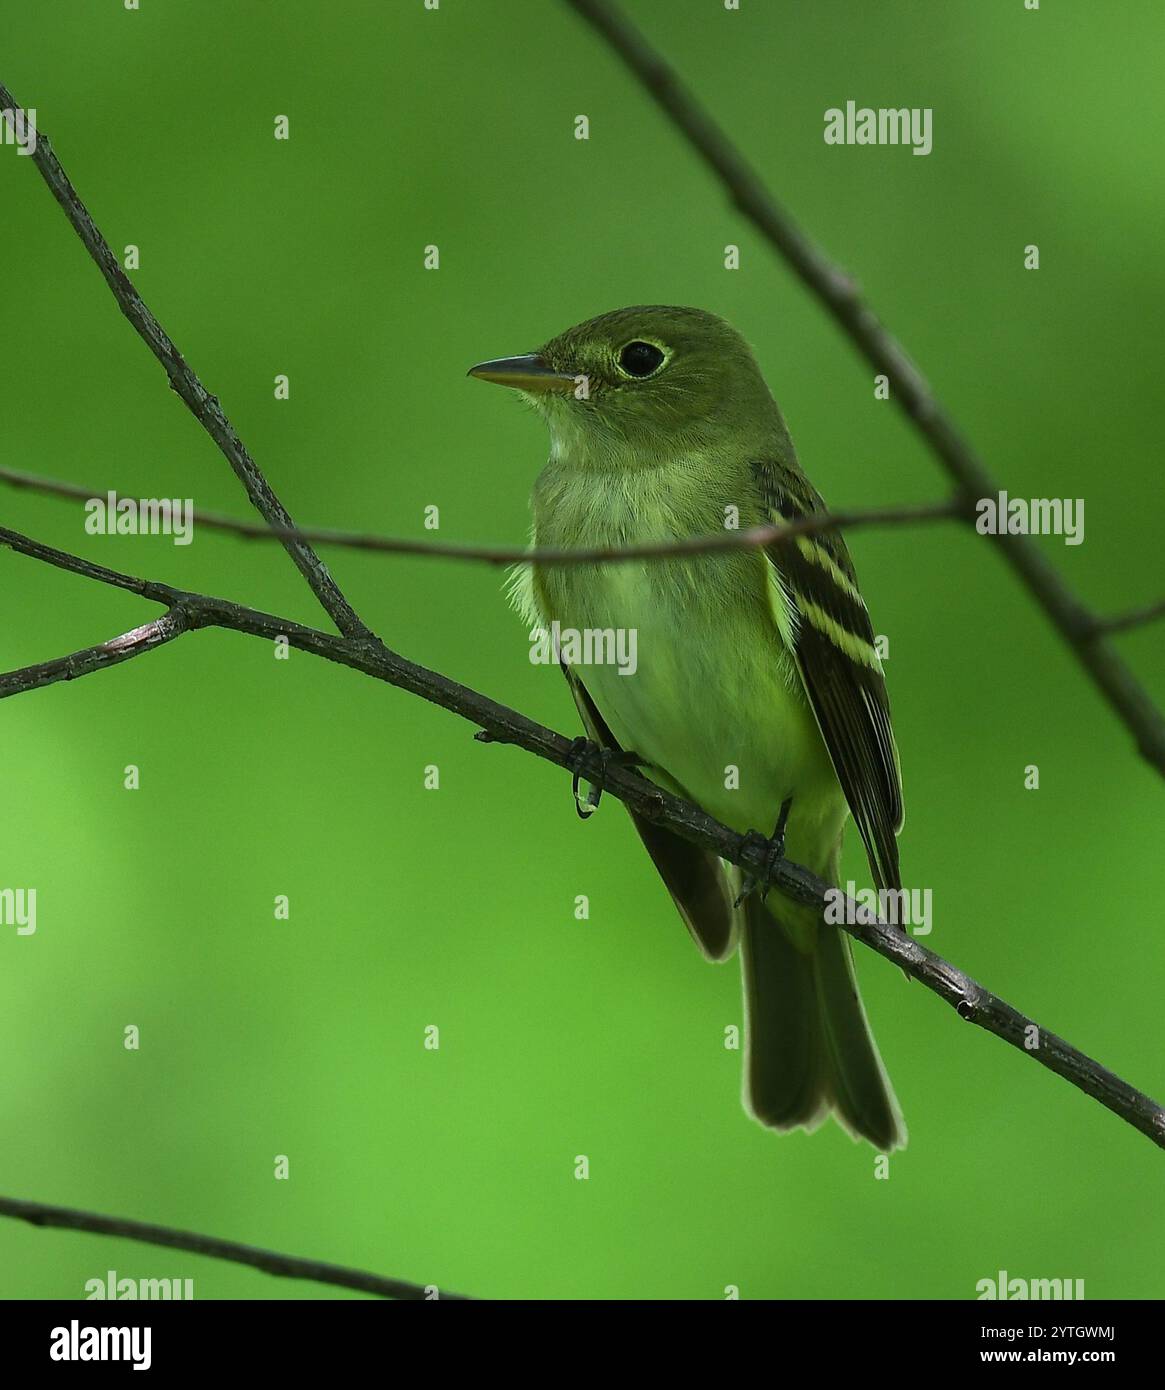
527,373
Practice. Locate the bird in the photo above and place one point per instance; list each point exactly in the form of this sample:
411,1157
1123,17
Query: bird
758,692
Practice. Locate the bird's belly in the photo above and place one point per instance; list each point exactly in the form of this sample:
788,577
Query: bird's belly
714,701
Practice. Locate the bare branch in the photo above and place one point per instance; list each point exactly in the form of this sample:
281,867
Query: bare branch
498,555
1135,617
840,296
87,569
751,537
269,1261
143,639
203,406
500,724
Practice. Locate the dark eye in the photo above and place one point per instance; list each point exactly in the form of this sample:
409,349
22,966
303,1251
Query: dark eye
640,359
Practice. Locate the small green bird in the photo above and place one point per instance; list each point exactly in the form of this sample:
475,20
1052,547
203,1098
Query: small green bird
757,691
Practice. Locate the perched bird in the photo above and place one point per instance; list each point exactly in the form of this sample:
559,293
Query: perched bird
757,691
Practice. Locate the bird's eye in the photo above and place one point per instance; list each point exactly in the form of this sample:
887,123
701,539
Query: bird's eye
640,359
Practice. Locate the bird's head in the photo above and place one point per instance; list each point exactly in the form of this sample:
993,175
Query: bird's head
638,385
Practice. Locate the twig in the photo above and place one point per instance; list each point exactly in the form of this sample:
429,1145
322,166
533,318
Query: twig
841,298
1135,617
66,668
750,851
500,555
203,406
269,1261
751,537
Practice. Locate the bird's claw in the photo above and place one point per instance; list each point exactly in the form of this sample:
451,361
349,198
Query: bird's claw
774,850
584,751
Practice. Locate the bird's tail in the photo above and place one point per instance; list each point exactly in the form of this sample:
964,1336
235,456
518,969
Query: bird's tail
809,1049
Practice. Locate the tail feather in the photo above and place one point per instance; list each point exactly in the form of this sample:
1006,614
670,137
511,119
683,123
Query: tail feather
785,1064
861,1090
809,1050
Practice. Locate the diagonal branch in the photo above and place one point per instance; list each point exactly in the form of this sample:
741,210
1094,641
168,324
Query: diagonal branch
153,634
269,1261
840,297
1135,617
203,406
498,724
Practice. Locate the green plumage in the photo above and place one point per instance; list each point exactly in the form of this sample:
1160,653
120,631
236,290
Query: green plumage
756,680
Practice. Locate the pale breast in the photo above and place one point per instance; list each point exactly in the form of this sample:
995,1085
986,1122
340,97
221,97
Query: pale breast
712,696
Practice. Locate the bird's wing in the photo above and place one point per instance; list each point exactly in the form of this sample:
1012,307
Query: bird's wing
696,879
833,642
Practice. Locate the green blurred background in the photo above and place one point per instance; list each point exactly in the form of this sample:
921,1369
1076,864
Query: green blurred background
455,907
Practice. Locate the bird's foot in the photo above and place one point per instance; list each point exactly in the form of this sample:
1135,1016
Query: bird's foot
584,753
774,848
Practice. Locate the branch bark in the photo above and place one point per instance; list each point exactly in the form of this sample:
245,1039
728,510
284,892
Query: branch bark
202,405
840,297
500,724
1135,617
269,1261
153,634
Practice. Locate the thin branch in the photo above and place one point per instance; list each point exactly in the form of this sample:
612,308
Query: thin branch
751,537
498,555
153,634
269,1261
1135,617
840,296
203,406
750,851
